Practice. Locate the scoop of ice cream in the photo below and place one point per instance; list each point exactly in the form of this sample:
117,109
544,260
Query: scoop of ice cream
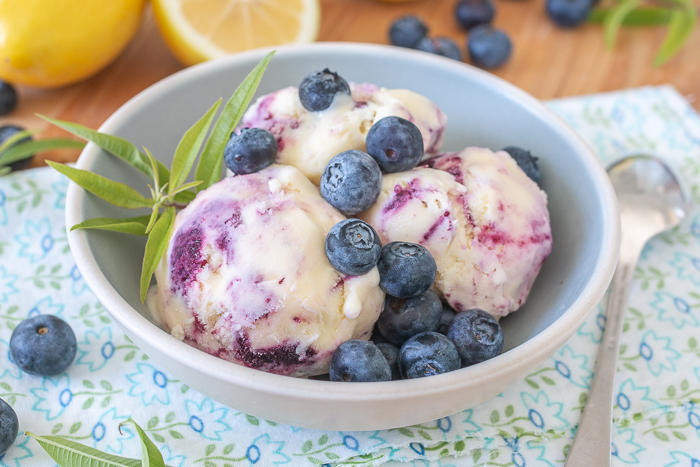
308,140
484,221
246,277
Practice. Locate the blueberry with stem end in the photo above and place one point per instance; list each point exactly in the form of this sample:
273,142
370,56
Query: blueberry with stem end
250,151
317,91
43,345
351,182
477,336
353,247
403,318
427,354
395,143
407,31
406,269
359,361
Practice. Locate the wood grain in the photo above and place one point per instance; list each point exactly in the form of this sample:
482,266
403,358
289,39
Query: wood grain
547,62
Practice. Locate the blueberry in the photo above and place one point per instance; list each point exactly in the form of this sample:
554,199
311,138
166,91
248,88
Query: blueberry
488,47
442,46
470,13
407,31
445,318
568,13
359,361
43,345
391,353
8,98
403,318
406,269
477,336
376,336
526,161
9,427
427,354
395,143
316,91
6,132
250,151
351,182
353,247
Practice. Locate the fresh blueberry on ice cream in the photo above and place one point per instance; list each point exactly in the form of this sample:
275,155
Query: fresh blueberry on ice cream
249,151
308,140
353,247
395,143
317,91
351,182
246,277
484,221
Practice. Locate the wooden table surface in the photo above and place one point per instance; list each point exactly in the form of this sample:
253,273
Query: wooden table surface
547,62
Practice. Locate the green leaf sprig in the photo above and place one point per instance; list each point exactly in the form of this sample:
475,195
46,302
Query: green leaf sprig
13,149
68,453
680,16
169,189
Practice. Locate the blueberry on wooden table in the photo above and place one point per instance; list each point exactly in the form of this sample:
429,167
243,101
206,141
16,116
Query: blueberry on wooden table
359,361
407,31
351,182
443,46
7,131
317,91
488,47
568,13
250,151
9,427
427,354
477,335
403,318
8,98
43,345
406,269
471,13
353,247
395,143
526,161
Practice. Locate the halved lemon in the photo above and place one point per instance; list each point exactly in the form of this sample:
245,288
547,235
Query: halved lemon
199,30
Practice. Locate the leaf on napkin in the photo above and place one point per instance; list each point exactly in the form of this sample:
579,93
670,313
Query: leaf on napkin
131,225
680,27
155,247
110,191
189,147
150,455
68,453
614,20
209,167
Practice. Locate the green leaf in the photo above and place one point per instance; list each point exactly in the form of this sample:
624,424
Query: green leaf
210,449
332,455
548,380
495,416
680,27
509,411
57,427
406,432
110,191
476,455
252,420
106,385
459,446
692,343
116,146
679,435
150,455
5,386
424,434
323,440
152,220
68,453
75,427
88,403
187,186
170,417
189,147
671,391
5,170
307,446
614,20
228,449
184,197
209,167
638,17
152,423
685,385
155,247
130,356
175,434
87,383
28,149
532,384
661,435
15,138
158,437
130,225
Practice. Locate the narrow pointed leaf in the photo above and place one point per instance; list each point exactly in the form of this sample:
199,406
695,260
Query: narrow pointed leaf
155,247
185,197
20,135
150,455
640,17
209,167
68,453
614,20
188,148
24,150
119,147
5,170
679,29
187,186
110,191
153,219
131,225
154,168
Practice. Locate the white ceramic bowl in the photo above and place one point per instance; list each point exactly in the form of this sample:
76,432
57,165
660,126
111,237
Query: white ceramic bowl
483,111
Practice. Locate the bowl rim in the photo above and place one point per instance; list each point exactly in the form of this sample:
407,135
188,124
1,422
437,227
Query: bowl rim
532,352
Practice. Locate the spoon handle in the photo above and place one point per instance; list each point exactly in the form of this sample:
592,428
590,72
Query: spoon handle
591,445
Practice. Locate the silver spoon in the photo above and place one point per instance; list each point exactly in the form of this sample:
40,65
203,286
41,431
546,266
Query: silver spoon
651,201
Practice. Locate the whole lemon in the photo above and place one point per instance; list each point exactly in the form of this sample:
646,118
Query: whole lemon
51,43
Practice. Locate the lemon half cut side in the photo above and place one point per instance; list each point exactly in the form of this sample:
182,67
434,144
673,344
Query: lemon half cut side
199,30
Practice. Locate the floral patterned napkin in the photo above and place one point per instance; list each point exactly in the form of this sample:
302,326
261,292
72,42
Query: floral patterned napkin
657,422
